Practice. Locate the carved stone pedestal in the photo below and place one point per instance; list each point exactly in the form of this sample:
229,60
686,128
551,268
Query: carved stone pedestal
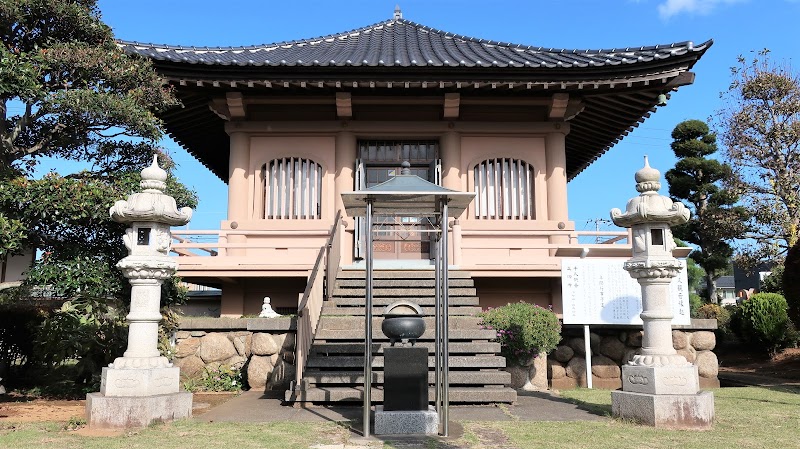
140,382
661,379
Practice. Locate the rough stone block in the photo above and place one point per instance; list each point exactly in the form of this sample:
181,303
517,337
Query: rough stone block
423,422
131,412
704,340
670,411
139,382
563,383
563,354
660,379
707,364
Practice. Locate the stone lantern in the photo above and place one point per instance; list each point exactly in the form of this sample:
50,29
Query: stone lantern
143,387
659,386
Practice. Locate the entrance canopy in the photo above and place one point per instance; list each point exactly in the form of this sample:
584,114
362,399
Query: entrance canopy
406,195
409,195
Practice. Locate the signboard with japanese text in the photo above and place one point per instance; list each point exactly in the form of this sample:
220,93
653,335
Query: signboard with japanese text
600,291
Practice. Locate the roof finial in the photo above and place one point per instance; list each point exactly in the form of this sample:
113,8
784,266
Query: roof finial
647,178
405,168
397,13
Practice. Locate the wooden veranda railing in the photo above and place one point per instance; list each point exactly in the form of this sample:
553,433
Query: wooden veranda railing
310,307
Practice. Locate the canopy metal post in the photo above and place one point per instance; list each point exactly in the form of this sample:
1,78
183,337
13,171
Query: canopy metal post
445,323
368,322
438,326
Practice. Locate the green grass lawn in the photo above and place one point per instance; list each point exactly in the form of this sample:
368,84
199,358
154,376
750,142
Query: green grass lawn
745,418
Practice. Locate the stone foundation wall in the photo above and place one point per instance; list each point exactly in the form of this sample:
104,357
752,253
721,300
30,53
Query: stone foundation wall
262,347
612,348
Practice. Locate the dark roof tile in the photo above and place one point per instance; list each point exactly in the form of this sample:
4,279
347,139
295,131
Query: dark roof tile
400,42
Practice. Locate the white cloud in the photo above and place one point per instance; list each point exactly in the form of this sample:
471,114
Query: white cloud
701,7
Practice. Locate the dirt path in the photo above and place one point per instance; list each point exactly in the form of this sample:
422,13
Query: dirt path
785,365
15,408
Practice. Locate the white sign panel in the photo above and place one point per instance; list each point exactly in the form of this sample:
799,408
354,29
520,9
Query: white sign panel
600,291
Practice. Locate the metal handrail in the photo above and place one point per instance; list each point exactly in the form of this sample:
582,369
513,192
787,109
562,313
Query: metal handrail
310,307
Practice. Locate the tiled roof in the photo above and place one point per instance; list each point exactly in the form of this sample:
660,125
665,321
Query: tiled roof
619,87
726,282
402,43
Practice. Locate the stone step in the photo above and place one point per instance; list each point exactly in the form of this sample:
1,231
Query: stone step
402,292
332,309
377,334
463,395
355,322
396,283
400,274
456,377
484,361
456,301
377,348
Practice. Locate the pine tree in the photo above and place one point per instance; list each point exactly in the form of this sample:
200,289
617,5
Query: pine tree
715,220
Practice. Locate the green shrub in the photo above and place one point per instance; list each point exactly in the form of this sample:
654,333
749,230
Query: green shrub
524,330
763,320
695,303
222,378
723,317
714,311
90,331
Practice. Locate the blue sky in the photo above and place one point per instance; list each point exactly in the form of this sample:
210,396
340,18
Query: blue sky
737,27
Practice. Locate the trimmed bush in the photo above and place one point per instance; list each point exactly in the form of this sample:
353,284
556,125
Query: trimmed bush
714,311
524,330
763,320
723,317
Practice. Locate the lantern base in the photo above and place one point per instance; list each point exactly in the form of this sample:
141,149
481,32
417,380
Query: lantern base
668,411
132,412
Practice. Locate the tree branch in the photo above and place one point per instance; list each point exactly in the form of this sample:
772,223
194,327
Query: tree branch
3,115
42,143
23,122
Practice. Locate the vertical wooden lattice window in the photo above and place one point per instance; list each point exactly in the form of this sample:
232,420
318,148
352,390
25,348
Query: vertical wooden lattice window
504,190
292,189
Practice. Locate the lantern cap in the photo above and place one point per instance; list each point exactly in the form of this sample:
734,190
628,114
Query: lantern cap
649,206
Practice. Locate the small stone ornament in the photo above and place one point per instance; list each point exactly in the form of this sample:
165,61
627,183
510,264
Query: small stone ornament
266,310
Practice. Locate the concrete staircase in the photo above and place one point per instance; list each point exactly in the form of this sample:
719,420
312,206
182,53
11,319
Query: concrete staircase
335,369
